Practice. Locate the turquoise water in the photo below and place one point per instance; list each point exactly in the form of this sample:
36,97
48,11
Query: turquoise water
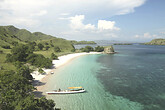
82,71
132,79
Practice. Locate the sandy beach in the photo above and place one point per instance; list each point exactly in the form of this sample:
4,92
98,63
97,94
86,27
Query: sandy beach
56,64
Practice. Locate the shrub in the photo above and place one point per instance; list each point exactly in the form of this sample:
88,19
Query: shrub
14,43
39,61
40,46
1,51
41,71
6,47
87,49
54,57
57,49
99,49
47,47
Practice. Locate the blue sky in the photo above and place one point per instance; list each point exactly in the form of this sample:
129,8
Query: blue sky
148,18
124,20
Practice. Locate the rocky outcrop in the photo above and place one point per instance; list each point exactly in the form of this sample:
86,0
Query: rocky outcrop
109,50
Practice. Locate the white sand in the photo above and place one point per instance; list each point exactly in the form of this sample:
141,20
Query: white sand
57,63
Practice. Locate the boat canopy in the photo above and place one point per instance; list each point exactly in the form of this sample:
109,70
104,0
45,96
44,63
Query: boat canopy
75,87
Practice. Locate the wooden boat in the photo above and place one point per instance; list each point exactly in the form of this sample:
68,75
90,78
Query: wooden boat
70,90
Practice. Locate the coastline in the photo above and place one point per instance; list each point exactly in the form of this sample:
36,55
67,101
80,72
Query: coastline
42,78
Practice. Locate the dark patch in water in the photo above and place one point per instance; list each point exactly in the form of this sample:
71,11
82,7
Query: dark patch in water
136,73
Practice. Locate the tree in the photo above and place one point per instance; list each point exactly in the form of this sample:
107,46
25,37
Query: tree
24,72
31,45
73,50
14,43
30,103
57,49
18,53
6,47
35,59
54,57
99,49
16,94
40,46
41,71
1,51
13,88
47,47
87,49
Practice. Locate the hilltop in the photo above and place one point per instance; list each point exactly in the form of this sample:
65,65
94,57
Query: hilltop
24,34
156,42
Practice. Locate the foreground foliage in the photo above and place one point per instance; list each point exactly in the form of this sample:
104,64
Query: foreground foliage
16,92
89,49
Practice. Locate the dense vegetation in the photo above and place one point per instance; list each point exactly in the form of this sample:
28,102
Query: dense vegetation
89,49
37,42
156,42
99,49
19,47
82,42
16,91
24,53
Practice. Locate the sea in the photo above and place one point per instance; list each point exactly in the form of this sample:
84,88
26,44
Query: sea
131,79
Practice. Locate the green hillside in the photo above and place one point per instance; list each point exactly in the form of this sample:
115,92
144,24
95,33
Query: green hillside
156,42
24,34
40,43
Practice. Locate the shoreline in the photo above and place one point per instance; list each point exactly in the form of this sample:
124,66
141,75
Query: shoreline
42,78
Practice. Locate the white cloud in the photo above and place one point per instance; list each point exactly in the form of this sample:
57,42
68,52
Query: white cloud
40,13
107,25
162,32
50,15
103,30
77,23
65,14
146,35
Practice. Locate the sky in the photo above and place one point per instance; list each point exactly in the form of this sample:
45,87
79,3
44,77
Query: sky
121,20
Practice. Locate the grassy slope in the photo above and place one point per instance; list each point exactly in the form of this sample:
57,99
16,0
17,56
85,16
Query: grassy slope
156,42
8,34
3,64
64,45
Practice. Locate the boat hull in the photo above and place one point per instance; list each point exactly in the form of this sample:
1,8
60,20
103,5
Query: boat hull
65,92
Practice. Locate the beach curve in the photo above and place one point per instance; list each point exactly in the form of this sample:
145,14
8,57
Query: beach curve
62,60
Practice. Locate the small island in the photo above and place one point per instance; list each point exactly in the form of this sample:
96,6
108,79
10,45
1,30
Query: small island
82,42
122,44
156,42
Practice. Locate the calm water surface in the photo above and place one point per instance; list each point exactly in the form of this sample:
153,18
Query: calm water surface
132,79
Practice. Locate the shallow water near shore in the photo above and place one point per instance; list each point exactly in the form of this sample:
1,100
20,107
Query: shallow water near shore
133,79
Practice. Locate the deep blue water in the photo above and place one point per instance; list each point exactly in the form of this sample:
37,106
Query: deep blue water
137,73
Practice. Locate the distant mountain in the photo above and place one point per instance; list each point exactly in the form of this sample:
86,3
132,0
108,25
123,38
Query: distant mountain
8,37
10,34
24,34
82,42
156,42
